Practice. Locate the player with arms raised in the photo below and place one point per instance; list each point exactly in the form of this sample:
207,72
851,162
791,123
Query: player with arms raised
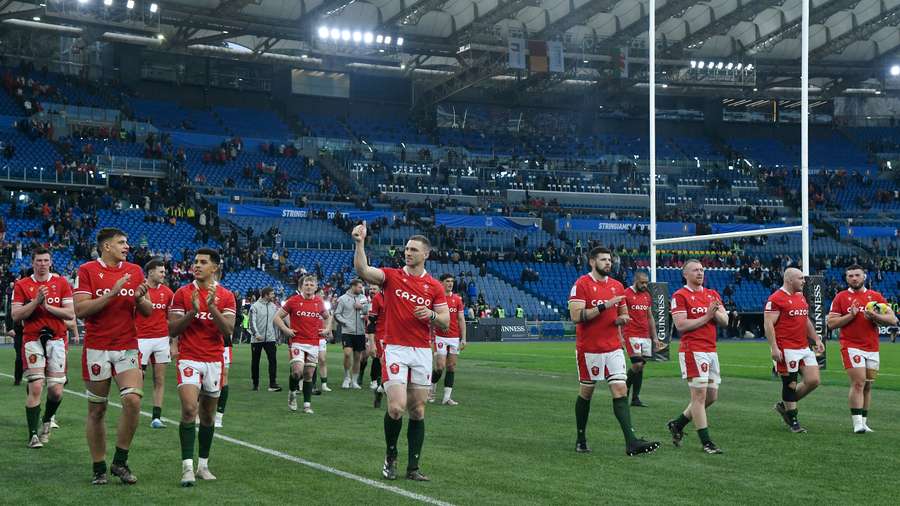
108,292
448,343
414,302
788,328
43,302
596,306
696,311
640,335
153,335
858,311
201,315
310,321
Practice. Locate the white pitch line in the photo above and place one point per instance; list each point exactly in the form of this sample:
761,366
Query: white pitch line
299,460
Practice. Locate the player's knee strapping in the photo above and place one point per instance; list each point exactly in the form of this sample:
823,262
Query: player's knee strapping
96,399
789,387
35,376
53,380
871,374
616,378
131,390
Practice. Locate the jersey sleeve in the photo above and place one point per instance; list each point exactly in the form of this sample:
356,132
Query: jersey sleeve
624,301
460,304
19,296
390,278
65,291
839,304
228,304
287,305
717,296
83,282
178,305
577,293
679,303
880,298
772,306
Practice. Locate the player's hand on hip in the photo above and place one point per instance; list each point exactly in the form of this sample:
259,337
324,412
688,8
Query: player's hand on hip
613,301
422,313
359,233
777,355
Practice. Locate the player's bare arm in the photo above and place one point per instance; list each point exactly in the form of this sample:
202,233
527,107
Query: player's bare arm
329,323
579,314
888,318
65,312
719,314
86,306
439,317
462,330
366,272
21,312
811,334
837,320
769,320
278,320
224,321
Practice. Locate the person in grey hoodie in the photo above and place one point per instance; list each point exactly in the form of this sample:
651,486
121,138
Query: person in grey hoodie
263,337
351,313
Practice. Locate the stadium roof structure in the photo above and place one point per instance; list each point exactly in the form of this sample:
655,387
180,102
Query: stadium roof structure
456,44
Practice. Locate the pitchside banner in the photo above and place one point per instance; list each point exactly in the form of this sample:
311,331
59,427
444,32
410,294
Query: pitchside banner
814,291
662,318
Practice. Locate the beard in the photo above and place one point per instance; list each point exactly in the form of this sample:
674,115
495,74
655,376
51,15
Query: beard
601,272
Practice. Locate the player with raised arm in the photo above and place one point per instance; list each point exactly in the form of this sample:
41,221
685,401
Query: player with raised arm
640,334
153,334
696,311
448,343
43,303
108,293
201,315
789,330
414,302
596,305
375,340
309,322
858,311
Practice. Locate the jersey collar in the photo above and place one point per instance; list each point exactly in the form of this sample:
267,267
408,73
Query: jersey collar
861,290
100,261
591,274
197,286
688,288
49,277
424,273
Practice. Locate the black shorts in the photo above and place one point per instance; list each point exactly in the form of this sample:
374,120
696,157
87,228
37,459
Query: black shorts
355,341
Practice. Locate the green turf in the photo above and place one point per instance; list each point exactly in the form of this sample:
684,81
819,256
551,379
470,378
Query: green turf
510,441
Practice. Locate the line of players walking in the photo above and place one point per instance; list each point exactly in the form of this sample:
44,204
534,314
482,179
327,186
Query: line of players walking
415,328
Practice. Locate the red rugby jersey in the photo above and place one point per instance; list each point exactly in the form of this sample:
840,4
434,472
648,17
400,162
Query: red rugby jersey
599,335
793,313
59,293
157,324
456,306
695,304
113,327
860,333
202,341
402,293
307,318
638,309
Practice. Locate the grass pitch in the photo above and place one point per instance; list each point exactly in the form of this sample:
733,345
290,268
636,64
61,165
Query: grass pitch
510,441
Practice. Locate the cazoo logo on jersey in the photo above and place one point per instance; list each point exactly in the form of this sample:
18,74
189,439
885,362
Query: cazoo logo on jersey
422,301
203,315
124,292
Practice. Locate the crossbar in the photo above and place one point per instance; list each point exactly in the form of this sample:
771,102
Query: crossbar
730,235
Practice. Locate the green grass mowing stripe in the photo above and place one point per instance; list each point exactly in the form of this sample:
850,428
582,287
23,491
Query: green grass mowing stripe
298,460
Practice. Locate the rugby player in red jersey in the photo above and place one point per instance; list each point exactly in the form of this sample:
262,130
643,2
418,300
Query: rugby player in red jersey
201,315
788,328
596,305
448,343
153,335
414,302
309,322
43,303
858,312
108,293
640,334
696,311
375,340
